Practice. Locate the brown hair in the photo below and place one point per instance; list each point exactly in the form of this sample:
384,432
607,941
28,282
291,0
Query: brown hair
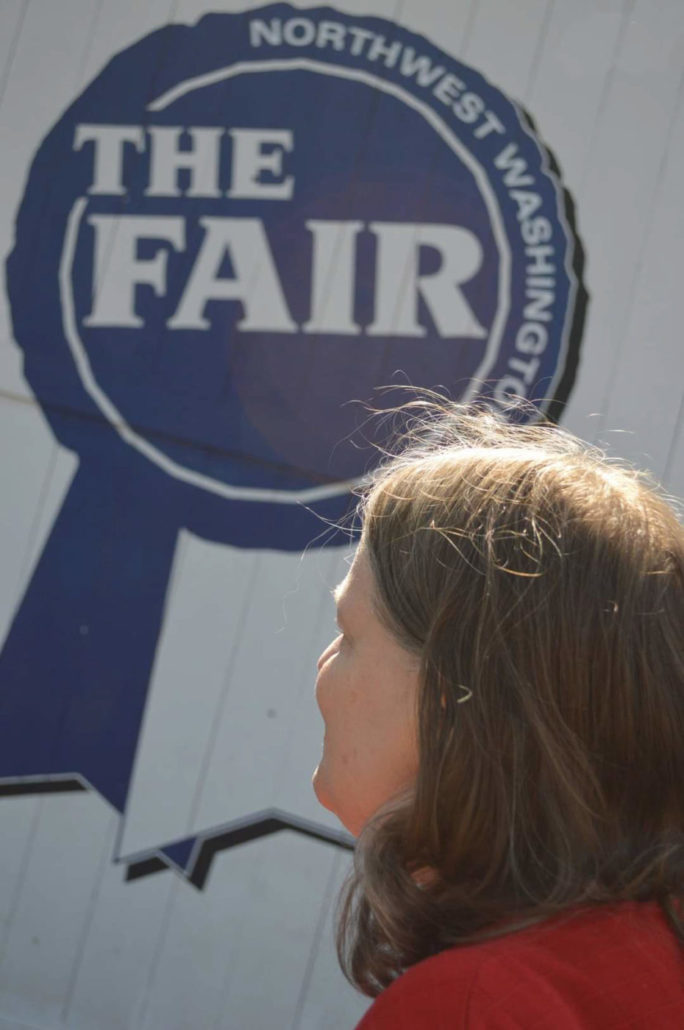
543,588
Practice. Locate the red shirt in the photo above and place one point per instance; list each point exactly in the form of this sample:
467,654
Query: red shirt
604,968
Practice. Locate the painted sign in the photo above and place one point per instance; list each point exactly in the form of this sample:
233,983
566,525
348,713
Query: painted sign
236,230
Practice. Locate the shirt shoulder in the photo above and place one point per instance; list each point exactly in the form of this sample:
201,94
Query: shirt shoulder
618,967
432,995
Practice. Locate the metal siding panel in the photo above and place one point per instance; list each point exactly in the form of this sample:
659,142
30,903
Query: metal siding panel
505,41
646,387
236,956
72,841
575,67
111,976
255,949
428,18
12,15
616,195
674,468
275,662
18,824
204,619
12,1024
281,928
319,1004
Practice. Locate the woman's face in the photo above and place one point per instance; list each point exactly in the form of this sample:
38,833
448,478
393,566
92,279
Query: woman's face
367,691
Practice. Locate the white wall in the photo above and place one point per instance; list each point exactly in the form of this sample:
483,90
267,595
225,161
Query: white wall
79,947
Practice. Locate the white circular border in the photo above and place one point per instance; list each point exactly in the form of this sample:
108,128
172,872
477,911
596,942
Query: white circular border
111,412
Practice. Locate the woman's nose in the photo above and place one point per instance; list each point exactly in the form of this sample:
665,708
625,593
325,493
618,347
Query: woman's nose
326,654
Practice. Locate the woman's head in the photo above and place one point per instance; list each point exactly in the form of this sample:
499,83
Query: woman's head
540,589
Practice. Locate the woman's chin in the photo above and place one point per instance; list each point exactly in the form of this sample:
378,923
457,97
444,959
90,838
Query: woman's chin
323,794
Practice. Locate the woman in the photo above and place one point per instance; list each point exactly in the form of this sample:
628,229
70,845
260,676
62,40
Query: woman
504,716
